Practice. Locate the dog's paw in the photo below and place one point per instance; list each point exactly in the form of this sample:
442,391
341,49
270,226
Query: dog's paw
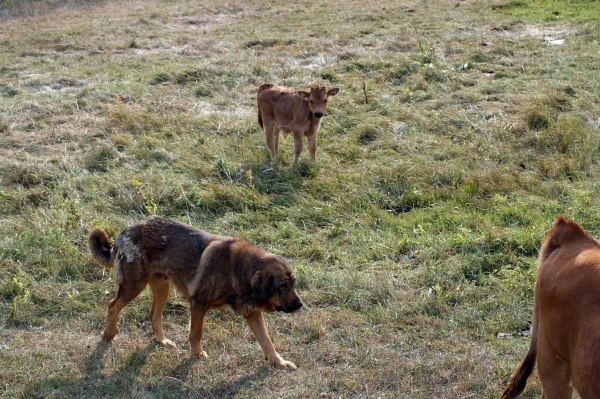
284,364
167,343
108,336
200,355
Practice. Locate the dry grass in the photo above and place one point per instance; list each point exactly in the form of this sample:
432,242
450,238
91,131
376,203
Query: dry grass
414,235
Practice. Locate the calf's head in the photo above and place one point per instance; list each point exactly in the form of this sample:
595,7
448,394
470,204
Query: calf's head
317,98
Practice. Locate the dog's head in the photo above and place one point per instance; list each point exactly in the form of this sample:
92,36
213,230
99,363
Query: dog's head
273,284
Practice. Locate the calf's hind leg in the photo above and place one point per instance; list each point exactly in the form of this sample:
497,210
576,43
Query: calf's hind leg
276,131
272,135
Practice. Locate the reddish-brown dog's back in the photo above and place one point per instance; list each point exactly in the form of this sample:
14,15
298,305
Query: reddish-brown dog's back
565,337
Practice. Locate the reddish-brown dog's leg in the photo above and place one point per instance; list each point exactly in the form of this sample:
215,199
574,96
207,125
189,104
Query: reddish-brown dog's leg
554,372
160,286
257,325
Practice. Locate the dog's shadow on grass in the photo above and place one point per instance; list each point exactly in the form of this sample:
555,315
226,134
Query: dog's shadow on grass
230,390
94,382
124,381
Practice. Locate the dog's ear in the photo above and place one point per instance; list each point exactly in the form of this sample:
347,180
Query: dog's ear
263,285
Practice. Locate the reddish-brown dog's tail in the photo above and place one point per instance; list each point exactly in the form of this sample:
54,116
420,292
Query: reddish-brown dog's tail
262,87
100,247
519,380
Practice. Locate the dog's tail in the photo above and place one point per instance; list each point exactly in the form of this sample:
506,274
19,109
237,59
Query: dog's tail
262,87
100,248
519,380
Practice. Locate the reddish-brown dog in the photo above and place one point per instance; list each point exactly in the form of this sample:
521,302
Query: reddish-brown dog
211,272
565,333
295,111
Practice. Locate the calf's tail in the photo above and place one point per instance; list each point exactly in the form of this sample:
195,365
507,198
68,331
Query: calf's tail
262,87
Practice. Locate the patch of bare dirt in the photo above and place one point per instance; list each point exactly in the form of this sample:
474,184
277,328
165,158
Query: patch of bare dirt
549,34
202,21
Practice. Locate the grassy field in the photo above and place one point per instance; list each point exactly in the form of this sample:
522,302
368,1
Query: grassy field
462,130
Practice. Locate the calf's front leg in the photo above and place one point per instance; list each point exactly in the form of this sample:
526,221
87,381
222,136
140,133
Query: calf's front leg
312,146
298,147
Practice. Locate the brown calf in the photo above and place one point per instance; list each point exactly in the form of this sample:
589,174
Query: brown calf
565,333
298,112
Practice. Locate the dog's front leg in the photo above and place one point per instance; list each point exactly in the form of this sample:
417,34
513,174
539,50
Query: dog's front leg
257,325
196,324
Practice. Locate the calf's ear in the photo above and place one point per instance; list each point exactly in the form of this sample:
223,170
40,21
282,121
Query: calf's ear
333,92
303,94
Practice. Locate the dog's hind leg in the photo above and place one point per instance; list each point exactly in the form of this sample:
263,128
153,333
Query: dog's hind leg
196,325
160,286
125,294
257,325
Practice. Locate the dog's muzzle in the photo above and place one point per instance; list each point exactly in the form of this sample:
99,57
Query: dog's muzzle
296,307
